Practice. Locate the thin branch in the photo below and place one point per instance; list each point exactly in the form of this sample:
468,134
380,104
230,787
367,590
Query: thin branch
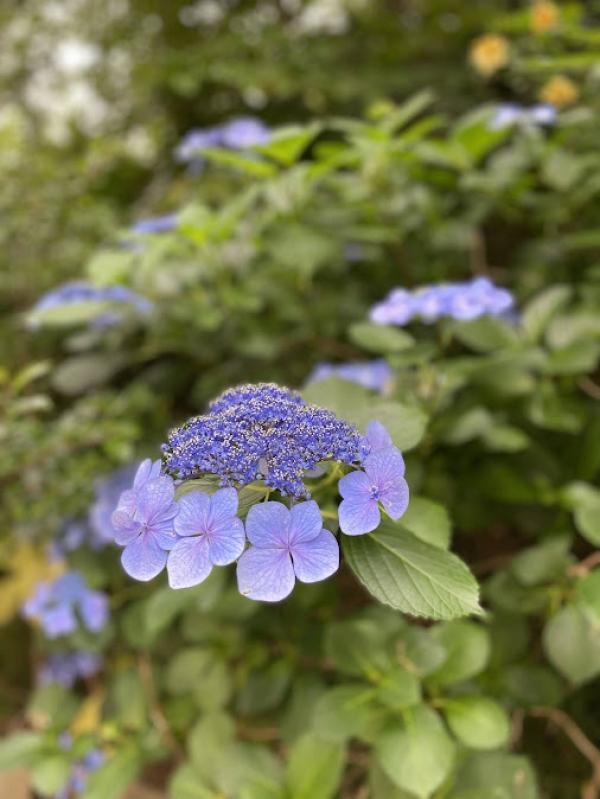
585,565
588,387
156,714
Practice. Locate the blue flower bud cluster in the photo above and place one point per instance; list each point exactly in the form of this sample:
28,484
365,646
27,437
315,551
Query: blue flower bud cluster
261,432
461,301
236,134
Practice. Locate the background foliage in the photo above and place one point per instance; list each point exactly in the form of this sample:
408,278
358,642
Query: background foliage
384,171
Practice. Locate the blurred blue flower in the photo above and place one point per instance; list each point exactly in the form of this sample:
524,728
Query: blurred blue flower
285,545
262,432
80,292
108,490
378,438
66,668
237,134
156,224
381,482
460,301
210,535
375,375
508,114
143,522
59,606
80,772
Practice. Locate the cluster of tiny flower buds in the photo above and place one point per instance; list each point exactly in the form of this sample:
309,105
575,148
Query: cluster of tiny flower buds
461,301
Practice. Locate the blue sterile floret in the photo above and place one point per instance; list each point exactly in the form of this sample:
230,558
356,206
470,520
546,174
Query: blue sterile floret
261,432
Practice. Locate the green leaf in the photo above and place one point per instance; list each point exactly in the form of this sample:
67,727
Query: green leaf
314,768
208,738
572,643
542,563
477,721
410,575
265,688
199,672
344,712
19,749
495,775
81,373
539,311
114,776
588,591
379,338
417,754
467,644
429,521
185,784
52,706
487,334
358,648
76,313
533,685
287,144
50,774
245,163
399,689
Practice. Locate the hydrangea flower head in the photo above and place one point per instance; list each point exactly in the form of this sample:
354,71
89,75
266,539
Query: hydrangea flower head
156,224
262,432
80,292
210,534
381,482
66,668
285,545
374,375
57,606
143,522
460,301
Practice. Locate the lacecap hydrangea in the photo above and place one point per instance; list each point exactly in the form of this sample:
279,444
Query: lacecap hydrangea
461,301
268,435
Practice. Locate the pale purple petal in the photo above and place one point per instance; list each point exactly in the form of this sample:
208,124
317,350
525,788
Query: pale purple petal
94,610
163,532
226,541
128,502
265,574
378,437
154,497
194,514
306,522
126,529
143,559
355,485
146,471
358,516
267,525
317,559
189,563
223,504
59,620
384,469
395,499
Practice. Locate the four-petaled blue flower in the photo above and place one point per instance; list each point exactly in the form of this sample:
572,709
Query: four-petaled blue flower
285,544
210,535
143,522
57,605
381,482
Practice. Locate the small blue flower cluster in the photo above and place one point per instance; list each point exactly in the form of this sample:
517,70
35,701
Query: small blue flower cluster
261,432
508,115
80,770
375,375
65,668
460,301
155,224
79,292
61,606
238,134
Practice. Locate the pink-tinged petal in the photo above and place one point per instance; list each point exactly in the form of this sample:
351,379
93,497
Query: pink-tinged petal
355,485
317,559
143,559
378,437
384,469
194,514
265,574
227,541
395,499
358,516
154,497
268,524
223,504
306,522
189,563
126,529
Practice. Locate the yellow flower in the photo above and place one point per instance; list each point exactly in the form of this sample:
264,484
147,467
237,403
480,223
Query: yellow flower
489,53
544,16
559,91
